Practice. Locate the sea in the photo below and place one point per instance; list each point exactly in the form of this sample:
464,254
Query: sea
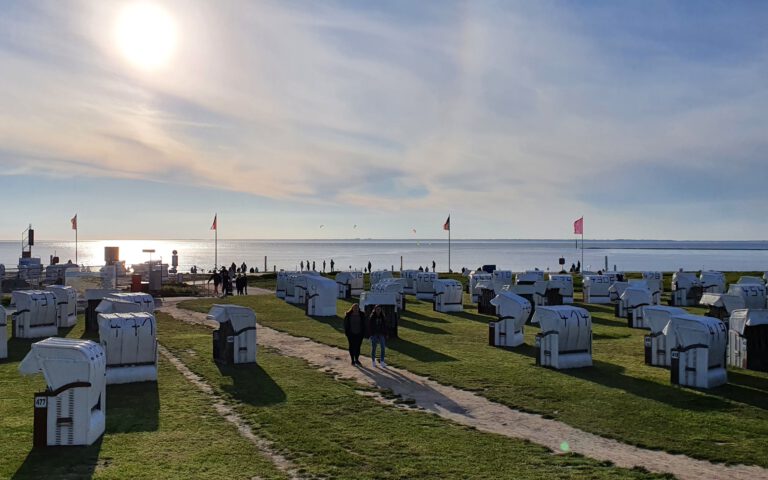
516,255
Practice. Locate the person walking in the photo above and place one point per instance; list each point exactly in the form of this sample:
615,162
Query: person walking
224,281
369,266
434,266
313,265
216,277
301,264
377,331
332,265
354,329
323,266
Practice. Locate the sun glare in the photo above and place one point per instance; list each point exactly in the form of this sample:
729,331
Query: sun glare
146,35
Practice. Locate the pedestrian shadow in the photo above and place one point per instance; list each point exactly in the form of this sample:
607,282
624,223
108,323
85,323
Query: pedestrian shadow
60,462
418,352
251,384
426,396
612,376
133,407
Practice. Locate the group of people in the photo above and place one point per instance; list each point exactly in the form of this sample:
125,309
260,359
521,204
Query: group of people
231,279
310,266
358,325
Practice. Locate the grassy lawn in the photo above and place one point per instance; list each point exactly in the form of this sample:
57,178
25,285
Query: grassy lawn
619,397
330,430
154,430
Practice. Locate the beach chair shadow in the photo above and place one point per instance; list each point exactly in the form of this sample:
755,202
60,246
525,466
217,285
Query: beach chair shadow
406,323
739,393
613,376
60,462
251,384
416,351
419,316
18,348
746,378
133,407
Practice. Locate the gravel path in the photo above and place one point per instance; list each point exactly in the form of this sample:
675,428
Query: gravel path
473,410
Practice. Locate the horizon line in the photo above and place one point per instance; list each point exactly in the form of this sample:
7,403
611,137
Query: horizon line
586,240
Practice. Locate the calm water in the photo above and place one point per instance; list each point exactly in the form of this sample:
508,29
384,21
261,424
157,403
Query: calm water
508,254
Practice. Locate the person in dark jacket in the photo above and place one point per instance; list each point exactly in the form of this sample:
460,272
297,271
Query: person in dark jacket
354,329
378,331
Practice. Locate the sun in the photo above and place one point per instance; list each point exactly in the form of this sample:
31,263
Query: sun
146,35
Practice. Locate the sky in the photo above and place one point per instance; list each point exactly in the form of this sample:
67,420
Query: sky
368,119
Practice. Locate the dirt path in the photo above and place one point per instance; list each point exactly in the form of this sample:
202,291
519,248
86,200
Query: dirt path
228,413
473,410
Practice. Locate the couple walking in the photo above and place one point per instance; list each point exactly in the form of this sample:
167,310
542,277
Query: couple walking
358,325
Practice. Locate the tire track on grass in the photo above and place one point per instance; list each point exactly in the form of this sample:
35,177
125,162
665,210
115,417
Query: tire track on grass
229,414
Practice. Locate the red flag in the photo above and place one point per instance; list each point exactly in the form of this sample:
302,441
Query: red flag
213,227
447,224
578,226
74,222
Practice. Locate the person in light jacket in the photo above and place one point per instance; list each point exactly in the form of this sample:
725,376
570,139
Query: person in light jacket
378,331
354,329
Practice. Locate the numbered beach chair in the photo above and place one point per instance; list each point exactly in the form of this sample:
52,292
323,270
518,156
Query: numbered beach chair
72,409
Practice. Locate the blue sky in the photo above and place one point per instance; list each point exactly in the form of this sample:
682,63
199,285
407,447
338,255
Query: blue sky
648,118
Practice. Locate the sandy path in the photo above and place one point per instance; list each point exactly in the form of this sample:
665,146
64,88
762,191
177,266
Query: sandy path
473,410
229,414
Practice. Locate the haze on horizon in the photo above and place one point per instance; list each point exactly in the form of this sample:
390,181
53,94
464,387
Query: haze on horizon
147,117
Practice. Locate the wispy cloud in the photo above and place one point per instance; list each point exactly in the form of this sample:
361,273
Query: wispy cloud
485,108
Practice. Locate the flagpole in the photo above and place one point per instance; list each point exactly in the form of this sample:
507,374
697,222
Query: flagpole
76,227
216,243
582,247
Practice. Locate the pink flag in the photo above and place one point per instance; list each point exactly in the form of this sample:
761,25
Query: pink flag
578,226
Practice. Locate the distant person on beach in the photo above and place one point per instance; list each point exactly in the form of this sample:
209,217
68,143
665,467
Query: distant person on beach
216,277
301,264
224,281
434,266
354,329
578,266
421,269
313,265
243,267
369,266
377,332
332,265
573,268
323,266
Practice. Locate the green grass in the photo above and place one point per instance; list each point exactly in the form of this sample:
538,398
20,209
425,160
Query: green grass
619,397
154,430
330,430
